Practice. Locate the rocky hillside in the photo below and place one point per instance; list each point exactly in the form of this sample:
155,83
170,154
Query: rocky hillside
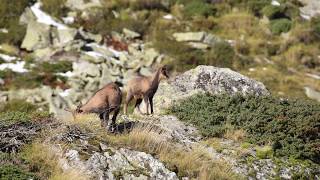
241,101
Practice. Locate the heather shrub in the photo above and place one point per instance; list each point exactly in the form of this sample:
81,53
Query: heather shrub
279,26
292,126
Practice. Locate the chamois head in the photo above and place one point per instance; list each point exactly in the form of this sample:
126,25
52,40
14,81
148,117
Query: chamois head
78,109
164,72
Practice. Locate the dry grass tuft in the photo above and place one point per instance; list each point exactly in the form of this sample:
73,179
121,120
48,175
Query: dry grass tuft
44,160
235,135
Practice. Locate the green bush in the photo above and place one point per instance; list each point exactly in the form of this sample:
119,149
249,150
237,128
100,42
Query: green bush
291,125
10,12
198,8
315,23
11,172
47,67
273,12
221,55
55,8
19,111
279,26
18,105
256,6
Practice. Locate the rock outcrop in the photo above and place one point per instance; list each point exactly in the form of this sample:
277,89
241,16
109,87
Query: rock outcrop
311,9
206,79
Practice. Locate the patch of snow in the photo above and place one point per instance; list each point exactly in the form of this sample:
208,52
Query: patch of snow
65,93
4,30
264,68
252,69
7,58
231,42
168,16
17,67
306,17
44,18
94,54
66,74
68,20
115,52
314,76
275,3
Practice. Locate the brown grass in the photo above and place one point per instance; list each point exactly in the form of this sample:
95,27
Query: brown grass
237,135
44,160
194,163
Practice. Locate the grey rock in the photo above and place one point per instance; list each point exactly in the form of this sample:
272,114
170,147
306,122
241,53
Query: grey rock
190,36
198,45
37,36
311,9
205,79
1,81
130,34
150,55
89,36
211,39
85,68
312,94
127,164
27,17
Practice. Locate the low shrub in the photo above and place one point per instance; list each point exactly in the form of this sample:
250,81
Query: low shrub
291,125
256,6
264,152
221,55
12,172
273,12
184,56
198,8
315,23
279,26
55,8
20,111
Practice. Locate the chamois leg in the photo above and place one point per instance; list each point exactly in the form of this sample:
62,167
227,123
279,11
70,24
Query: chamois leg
114,118
128,99
146,100
151,104
137,105
104,121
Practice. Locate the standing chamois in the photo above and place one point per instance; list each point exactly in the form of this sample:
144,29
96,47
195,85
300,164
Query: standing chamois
144,88
103,102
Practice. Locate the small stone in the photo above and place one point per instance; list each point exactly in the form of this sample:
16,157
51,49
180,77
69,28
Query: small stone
189,36
130,34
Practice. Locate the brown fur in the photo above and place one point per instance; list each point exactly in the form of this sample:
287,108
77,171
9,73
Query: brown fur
144,88
103,102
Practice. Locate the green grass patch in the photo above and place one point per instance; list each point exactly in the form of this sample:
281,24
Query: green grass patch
279,26
19,111
291,126
264,152
12,172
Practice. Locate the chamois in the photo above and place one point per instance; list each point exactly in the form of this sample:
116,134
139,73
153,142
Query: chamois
144,88
103,102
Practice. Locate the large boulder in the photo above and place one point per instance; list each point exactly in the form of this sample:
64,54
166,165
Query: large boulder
37,36
311,9
206,79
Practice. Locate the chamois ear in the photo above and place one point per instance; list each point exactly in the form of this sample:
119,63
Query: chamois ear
164,71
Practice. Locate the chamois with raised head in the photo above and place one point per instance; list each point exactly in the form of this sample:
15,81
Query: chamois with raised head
143,88
103,102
